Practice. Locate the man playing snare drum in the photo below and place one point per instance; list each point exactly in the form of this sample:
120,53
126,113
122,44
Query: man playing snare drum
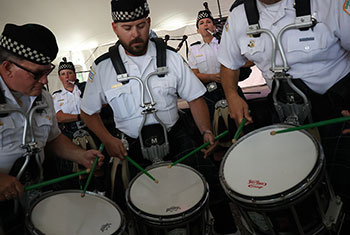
26,53
149,122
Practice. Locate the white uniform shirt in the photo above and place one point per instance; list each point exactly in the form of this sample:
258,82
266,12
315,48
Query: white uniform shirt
203,57
11,128
103,87
319,56
68,102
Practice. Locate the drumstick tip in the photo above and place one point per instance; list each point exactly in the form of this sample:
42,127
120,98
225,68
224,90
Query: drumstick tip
169,166
82,195
234,141
156,181
273,133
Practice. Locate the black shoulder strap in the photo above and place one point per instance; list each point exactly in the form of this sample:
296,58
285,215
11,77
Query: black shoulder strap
58,91
303,8
118,63
195,43
116,59
2,101
161,53
251,10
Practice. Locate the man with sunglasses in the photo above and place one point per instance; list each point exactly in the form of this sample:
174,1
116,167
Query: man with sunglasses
26,53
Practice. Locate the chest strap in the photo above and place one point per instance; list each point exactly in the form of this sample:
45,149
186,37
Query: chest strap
119,65
302,8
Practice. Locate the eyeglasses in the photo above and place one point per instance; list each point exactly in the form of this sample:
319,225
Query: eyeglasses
36,75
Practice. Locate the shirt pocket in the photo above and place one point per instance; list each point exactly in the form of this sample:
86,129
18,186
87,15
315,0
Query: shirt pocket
122,102
42,129
201,62
305,41
164,93
7,132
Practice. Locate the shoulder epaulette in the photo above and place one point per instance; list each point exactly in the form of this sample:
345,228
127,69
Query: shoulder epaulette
196,43
236,4
58,91
102,58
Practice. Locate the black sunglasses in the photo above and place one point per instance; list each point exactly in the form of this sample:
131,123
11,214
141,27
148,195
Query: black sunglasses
36,75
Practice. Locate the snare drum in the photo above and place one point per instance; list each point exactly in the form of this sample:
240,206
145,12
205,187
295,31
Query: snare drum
66,212
279,183
177,205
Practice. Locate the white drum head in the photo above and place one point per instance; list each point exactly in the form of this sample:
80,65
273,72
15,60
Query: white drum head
263,164
178,190
69,213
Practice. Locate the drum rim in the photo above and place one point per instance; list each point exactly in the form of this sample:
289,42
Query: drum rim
287,195
167,219
29,223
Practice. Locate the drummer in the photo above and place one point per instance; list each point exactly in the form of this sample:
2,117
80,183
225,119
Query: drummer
161,132
319,59
26,53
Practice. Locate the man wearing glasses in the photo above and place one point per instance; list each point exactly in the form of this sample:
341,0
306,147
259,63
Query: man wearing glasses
26,53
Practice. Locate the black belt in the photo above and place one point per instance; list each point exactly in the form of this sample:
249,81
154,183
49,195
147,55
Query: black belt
72,125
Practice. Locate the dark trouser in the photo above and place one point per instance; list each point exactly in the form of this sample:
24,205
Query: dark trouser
181,143
11,223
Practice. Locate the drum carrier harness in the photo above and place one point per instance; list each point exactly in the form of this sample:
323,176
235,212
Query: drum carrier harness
153,138
27,169
290,102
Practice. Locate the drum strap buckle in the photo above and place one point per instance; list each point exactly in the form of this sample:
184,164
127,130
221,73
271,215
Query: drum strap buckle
153,138
295,108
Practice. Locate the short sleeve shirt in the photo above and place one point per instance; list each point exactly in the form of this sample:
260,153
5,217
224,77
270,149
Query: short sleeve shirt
125,99
203,57
67,102
319,56
45,128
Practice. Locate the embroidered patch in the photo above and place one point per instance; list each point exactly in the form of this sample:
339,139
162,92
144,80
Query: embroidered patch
91,74
226,26
60,100
347,6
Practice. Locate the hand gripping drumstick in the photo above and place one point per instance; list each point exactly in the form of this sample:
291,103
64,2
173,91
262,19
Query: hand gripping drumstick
239,130
198,149
312,125
92,171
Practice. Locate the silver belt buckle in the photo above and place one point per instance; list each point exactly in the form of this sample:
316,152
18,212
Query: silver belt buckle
80,124
211,86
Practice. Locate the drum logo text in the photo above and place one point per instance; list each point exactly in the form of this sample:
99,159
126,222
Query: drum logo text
173,208
105,227
256,184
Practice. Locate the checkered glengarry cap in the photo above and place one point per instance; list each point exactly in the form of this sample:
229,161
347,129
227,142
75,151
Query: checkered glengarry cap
129,10
32,42
204,14
65,65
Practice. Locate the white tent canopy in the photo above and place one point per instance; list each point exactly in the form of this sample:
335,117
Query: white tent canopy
83,27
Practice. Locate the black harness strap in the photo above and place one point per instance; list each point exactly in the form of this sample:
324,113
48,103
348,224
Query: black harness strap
302,8
119,65
2,101
117,60
251,10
